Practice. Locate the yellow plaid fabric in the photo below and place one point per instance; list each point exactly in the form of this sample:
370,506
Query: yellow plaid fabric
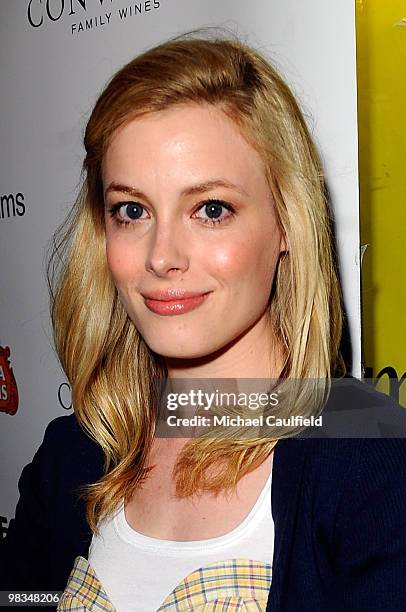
84,591
235,584
225,586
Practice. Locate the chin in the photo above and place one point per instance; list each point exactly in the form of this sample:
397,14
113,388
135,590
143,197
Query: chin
178,352
178,348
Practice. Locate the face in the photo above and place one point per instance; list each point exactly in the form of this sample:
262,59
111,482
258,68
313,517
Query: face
192,234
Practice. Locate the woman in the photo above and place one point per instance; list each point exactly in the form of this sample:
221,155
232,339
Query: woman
200,249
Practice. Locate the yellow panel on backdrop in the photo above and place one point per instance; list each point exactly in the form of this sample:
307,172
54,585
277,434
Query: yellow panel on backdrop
381,67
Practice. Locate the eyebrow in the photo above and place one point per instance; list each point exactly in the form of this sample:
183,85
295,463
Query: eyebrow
193,189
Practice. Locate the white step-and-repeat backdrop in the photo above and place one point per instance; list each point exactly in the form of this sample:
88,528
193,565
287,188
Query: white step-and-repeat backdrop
55,57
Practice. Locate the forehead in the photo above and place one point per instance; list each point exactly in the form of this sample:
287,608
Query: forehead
191,140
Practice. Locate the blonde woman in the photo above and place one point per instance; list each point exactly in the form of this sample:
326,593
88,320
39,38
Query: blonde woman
200,248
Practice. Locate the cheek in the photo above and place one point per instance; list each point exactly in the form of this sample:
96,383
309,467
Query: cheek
234,264
230,260
246,269
119,261
253,259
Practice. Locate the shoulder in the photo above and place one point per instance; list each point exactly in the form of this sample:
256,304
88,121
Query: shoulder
65,441
355,409
64,430
360,455
67,448
362,393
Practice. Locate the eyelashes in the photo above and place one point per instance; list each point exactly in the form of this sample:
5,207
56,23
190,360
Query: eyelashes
134,212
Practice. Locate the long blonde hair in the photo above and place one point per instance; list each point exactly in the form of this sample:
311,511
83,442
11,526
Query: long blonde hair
109,366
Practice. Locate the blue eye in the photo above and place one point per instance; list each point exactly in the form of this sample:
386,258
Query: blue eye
133,210
125,212
213,208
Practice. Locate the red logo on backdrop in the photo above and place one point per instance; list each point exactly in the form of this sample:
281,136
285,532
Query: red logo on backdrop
8,385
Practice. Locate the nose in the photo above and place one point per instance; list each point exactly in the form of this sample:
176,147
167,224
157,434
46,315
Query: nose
167,252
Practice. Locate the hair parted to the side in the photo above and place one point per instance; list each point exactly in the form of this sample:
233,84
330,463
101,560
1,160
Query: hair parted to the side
109,366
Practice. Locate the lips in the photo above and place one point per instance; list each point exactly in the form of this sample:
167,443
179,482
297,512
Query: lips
167,295
171,302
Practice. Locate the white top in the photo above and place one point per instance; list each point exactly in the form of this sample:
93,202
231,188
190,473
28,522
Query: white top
138,572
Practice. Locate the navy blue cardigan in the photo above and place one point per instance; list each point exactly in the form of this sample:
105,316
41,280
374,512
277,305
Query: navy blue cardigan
339,507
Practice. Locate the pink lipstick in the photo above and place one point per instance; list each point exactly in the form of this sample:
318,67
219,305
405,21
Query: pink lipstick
173,301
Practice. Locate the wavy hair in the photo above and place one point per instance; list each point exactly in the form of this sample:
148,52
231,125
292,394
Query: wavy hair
110,368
